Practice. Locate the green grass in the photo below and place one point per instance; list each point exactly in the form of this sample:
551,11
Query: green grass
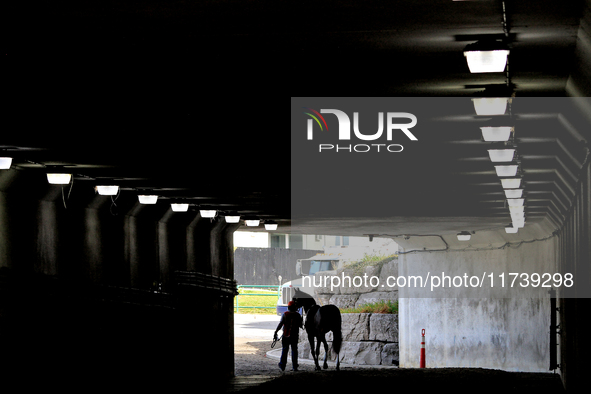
374,260
244,300
376,307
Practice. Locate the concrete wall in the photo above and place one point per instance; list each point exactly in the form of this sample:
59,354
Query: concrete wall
464,330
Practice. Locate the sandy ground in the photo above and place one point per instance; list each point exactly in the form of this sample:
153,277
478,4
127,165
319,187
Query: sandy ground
253,338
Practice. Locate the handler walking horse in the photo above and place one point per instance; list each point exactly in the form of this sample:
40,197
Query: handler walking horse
319,321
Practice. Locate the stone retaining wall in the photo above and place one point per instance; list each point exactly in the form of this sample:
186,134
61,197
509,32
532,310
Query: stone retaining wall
347,296
368,339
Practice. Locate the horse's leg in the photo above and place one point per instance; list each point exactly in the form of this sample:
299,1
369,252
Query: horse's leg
338,361
314,355
318,342
325,365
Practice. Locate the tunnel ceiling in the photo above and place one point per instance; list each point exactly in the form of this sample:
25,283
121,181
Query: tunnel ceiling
183,98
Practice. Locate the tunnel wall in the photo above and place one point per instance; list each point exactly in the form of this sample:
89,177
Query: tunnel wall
574,311
464,331
90,294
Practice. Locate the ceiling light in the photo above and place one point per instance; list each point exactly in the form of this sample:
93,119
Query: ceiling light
486,56
252,222
511,230
516,209
487,106
496,134
519,223
500,155
179,207
107,190
59,179
147,199
506,170
515,202
207,213
518,216
232,218
511,183
514,193
464,236
5,163
270,225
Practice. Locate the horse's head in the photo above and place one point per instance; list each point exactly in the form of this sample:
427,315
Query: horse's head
303,300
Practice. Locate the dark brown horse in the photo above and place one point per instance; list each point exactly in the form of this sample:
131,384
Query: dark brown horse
319,321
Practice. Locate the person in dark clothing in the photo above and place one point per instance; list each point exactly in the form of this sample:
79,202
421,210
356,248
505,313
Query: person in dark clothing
291,321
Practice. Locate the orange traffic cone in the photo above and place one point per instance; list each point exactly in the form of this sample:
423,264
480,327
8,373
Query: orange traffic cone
422,360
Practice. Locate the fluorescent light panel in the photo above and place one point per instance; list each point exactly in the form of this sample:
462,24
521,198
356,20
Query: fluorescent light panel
5,163
59,179
207,213
511,183
519,223
510,170
516,209
487,106
501,155
496,134
232,218
515,202
107,190
270,226
486,61
513,193
147,199
179,207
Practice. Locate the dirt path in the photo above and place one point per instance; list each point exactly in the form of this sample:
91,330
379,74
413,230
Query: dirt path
249,358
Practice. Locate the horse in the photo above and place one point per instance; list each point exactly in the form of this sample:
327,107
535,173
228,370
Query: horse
319,321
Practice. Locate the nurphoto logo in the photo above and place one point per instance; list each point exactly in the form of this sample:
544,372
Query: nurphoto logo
392,126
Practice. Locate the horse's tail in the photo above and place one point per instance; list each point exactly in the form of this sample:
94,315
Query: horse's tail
337,340
337,336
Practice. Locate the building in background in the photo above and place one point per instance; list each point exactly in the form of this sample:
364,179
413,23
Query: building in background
311,242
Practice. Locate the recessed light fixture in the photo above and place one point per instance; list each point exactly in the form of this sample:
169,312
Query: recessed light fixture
179,207
107,190
147,199
464,236
486,56
515,202
501,155
519,223
496,134
270,225
232,218
207,213
252,222
59,179
5,163
513,193
510,170
487,106
511,183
